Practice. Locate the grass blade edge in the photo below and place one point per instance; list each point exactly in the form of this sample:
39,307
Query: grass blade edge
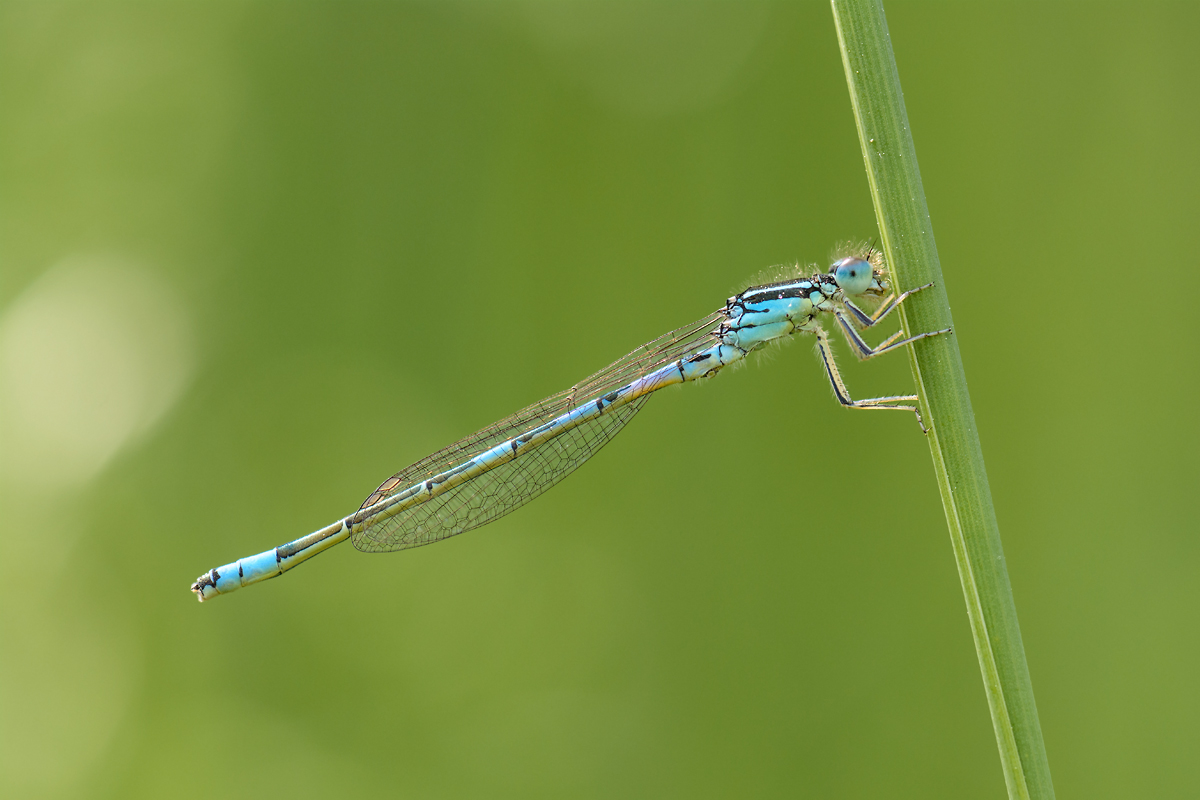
908,243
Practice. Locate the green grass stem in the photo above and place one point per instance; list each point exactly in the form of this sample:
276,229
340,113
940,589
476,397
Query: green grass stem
907,240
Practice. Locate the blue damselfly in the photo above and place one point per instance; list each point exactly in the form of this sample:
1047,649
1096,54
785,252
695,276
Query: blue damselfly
490,473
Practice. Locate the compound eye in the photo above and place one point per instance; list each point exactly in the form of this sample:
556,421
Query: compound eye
853,275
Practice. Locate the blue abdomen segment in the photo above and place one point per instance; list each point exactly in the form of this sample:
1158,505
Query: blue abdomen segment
269,564
243,572
251,569
707,362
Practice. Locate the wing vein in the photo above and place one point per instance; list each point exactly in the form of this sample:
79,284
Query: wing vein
507,487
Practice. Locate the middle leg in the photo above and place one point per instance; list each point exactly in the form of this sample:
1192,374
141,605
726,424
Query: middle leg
888,305
865,351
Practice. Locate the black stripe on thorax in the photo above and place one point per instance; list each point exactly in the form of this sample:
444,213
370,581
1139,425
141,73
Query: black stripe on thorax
777,291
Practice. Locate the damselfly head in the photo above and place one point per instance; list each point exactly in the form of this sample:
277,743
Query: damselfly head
856,276
858,269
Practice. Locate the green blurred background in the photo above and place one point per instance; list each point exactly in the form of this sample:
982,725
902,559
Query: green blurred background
259,256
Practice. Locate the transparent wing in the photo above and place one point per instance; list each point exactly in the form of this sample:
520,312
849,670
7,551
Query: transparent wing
499,491
508,487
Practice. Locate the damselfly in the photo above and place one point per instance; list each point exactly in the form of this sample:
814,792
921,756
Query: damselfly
505,465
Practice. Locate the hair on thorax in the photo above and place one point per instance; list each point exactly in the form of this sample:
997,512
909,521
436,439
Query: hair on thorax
795,270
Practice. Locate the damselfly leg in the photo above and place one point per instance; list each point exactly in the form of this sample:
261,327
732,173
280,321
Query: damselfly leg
864,351
843,395
888,305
